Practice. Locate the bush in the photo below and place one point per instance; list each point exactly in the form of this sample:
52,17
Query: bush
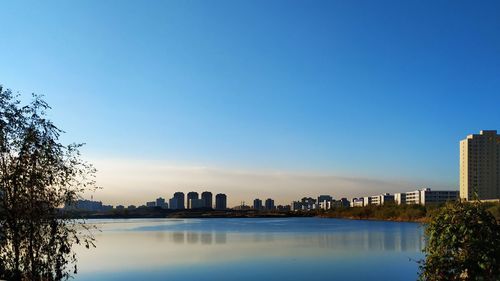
462,243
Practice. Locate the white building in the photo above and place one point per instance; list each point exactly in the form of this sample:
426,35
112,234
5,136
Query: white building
480,166
367,200
426,196
382,199
400,198
357,202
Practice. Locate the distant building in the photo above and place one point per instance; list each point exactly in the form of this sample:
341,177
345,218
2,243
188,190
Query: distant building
120,208
382,199
106,208
151,204
160,202
357,202
257,204
177,202
296,206
190,196
480,166
324,202
325,205
400,198
85,205
269,204
426,196
308,203
196,203
323,198
242,206
367,200
342,203
282,208
221,201
131,207
207,198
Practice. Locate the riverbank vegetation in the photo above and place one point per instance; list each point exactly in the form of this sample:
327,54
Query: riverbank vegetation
393,212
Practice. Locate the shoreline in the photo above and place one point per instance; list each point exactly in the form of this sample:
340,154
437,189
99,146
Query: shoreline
233,214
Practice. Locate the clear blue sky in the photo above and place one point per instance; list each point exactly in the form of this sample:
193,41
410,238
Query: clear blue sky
382,89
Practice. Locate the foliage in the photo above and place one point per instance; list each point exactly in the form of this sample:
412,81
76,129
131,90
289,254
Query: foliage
38,175
463,243
384,212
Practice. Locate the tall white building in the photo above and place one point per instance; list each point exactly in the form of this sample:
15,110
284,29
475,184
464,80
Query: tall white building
480,166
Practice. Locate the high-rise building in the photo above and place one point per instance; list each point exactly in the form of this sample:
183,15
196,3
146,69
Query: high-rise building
177,202
191,195
220,201
480,166
257,204
269,204
160,202
207,198
196,203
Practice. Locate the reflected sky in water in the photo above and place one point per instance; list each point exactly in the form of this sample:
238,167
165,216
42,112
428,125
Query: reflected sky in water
249,249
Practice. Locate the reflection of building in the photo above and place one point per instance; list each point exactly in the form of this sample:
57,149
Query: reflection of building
190,196
220,201
257,204
177,202
207,199
480,166
269,204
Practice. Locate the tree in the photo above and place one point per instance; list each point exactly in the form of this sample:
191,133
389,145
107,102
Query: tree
462,243
38,175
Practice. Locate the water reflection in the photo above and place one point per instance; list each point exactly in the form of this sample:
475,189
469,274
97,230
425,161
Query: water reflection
173,244
205,238
402,240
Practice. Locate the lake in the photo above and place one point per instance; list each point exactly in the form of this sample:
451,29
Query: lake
252,249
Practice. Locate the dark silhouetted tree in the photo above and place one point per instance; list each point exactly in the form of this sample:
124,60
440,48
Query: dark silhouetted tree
462,243
38,175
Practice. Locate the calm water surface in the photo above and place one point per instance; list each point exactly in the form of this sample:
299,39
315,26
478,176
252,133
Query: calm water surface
252,249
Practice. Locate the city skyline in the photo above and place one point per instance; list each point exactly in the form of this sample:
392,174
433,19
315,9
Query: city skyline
260,98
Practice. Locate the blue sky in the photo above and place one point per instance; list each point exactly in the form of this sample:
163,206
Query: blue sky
377,90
